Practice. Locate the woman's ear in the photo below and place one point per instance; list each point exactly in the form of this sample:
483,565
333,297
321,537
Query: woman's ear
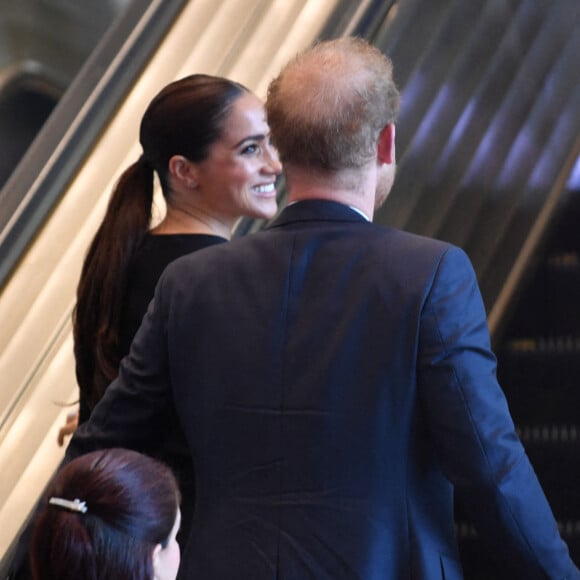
156,552
183,171
386,146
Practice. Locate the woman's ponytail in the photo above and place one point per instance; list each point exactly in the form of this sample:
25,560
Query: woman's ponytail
100,292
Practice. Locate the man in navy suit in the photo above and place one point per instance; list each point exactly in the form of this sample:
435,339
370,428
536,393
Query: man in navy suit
334,378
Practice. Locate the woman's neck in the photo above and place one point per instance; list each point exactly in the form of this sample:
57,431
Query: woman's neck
180,221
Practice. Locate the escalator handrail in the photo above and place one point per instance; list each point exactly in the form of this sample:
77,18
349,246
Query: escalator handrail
38,181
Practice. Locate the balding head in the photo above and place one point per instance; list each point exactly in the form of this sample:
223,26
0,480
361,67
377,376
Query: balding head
329,104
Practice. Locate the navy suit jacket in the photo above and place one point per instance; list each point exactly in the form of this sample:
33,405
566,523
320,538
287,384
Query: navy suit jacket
335,381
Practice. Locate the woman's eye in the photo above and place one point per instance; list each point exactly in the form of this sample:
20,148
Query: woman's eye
249,149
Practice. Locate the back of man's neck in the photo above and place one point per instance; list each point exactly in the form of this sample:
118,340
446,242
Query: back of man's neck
359,201
355,188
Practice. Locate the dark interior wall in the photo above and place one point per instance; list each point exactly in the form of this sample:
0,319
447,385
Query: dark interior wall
43,45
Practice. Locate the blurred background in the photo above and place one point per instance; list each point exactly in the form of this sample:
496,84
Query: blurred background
488,143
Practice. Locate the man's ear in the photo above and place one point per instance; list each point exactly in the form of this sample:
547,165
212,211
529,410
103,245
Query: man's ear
183,170
386,146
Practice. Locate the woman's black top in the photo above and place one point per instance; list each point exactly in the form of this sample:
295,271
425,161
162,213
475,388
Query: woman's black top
146,267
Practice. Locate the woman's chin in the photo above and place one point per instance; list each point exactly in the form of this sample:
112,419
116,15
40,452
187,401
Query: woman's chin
265,207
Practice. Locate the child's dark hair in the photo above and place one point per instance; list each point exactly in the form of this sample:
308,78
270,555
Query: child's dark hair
131,504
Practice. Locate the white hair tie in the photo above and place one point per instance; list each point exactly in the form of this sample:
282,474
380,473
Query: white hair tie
74,506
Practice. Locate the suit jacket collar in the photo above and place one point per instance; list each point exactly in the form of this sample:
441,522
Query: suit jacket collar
317,210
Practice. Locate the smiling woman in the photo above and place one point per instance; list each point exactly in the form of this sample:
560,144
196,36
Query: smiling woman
238,176
207,140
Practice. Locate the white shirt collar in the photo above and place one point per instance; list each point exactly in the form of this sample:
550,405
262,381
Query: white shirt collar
362,213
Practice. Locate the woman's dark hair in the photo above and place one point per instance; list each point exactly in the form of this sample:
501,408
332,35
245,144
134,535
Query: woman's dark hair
131,505
185,118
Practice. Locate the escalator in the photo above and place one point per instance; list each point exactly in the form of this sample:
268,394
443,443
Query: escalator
37,238
487,138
